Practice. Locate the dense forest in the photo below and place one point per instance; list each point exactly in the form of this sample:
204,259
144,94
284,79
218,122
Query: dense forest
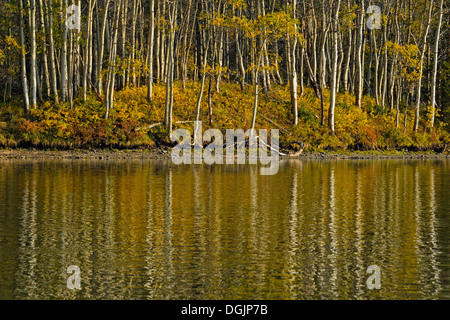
337,74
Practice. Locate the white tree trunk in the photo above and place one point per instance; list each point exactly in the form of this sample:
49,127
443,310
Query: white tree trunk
150,53
334,68
419,82
33,76
435,64
23,60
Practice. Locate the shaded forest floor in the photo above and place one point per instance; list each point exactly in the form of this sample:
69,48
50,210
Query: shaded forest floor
59,127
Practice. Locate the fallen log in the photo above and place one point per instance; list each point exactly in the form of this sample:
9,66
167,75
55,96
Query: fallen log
159,124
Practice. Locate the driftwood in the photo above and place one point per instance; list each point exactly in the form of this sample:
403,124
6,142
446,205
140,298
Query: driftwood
301,144
279,127
149,126
159,124
295,154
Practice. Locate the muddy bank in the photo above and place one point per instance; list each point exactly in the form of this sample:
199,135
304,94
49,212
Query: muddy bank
357,155
85,154
164,153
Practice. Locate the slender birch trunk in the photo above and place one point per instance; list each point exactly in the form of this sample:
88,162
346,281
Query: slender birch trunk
23,59
360,74
33,66
334,68
150,53
435,64
419,82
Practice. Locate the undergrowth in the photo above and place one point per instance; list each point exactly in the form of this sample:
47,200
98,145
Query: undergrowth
83,126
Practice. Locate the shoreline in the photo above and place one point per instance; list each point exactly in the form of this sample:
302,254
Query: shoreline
164,154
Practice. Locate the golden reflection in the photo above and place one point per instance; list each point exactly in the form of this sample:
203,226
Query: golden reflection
153,230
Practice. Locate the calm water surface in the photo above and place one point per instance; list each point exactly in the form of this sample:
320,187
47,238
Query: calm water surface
153,230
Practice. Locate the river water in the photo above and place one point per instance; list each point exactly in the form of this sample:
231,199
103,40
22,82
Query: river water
147,229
